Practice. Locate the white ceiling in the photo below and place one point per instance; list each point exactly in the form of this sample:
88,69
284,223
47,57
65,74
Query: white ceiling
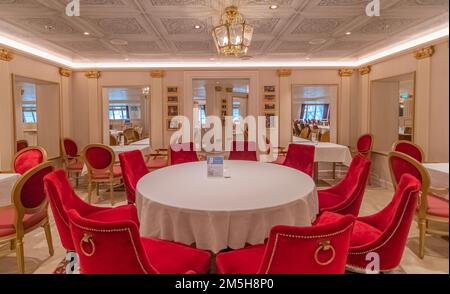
163,30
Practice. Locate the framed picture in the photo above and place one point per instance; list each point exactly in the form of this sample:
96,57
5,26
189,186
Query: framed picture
270,120
172,110
172,89
269,89
224,106
173,125
269,106
269,97
172,99
224,101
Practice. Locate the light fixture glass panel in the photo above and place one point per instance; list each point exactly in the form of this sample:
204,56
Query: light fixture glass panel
221,35
248,34
236,33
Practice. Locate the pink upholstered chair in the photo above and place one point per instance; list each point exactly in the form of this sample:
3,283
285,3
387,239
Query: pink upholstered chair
346,196
364,145
115,247
243,150
27,158
409,148
432,208
133,169
100,161
385,232
293,250
28,211
72,160
63,198
301,157
182,153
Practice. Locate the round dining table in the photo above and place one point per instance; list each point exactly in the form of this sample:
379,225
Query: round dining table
181,203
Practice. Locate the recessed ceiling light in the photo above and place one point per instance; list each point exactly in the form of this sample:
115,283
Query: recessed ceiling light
126,59
273,6
348,33
118,42
49,27
317,41
212,59
197,27
307,58
86,33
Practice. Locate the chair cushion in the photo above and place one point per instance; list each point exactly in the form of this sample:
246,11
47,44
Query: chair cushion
7,219
242,261
437,206
75,165
327,199
175,258
124,212
362,233
117,171
156,163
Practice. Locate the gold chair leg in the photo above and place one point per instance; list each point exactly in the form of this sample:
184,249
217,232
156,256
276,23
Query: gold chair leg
20,255
334,170
48,236
12,244
89,191
97,187
422,235
111,192
77,180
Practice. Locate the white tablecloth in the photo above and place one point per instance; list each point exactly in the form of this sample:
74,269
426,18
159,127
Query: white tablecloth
7,182
142,142
438,174
328,152
180,203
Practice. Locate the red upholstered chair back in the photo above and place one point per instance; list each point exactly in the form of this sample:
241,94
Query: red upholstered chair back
320,249
182,153
410,149
27,158
133,169
70,148
108,247
98,157
301,157
59,191
243,150
21,144
364,144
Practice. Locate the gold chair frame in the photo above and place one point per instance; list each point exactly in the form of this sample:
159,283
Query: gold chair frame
67,158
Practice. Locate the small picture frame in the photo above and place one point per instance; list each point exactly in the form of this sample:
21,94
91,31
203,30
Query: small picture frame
269,106
269,120
224,101
269,89
172,110
173,125
172,99
269,97
172,90
224,106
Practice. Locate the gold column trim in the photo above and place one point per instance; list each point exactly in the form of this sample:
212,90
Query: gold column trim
157,73
92,74
5,55
346,72
284,72
365,70
218,88
424,52
65,72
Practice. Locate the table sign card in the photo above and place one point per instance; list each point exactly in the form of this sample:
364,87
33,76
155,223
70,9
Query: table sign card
215,166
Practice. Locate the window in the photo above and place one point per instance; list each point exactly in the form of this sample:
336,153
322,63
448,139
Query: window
29,114
202,114
314,111
119,112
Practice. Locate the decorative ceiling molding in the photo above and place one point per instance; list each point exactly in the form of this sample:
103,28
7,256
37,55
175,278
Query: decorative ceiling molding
365,70
65,72
284,72
5,55
424,52
157,73
346,72
92,74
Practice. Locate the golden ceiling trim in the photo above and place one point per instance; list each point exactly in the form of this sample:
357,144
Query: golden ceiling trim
92,74
424,52
284,72
157,73
365,70
346,72
65,72
5,55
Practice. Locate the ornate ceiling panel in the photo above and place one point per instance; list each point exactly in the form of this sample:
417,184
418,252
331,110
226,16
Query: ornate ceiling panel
154,29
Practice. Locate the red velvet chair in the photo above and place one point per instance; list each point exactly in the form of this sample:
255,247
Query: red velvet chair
346,196
63,198
301,157
409,148
432,208
115,247
364,145
182,153
133,169
100,161
21,144
72,160
293,250
243,150
385,232
28,158
28,211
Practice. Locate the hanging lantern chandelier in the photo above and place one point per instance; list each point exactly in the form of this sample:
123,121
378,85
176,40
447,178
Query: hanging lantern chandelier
233,35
